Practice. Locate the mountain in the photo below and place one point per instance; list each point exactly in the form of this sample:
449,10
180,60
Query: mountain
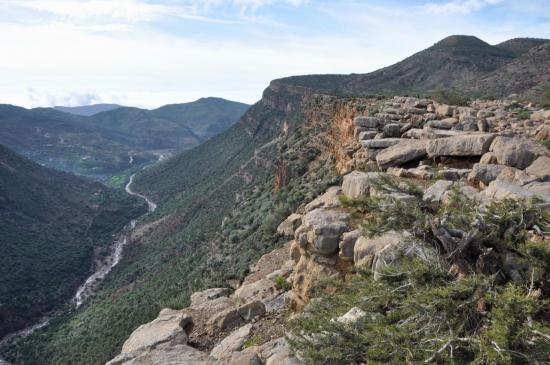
221,202
115,142
51,224
453,62
87,110
529,74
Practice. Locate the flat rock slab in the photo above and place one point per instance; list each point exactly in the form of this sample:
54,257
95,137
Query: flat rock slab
381,143
357,183
465,145
401,153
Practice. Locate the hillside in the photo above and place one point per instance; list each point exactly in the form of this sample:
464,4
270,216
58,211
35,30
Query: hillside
115,142
454,62
87,110
50,223
220,204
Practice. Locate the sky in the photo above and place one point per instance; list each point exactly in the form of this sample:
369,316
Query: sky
148,53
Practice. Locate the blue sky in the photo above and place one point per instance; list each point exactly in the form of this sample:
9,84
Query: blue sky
148,53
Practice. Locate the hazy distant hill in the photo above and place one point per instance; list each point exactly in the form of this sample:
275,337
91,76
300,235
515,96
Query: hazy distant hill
453,62
115,141
50,223
87,110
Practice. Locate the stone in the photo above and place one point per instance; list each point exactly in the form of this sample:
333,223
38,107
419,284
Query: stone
467,191
327,200
347,244
366,122
352,316
164,355
251,310
321,230
366,135
295,251
464,145
380,143
277,352
357,183
485,173
541,189
392,130
263,289
224,320
516,176
444,110
200,297
540,168
499,190
488,158
439,124
240,358
367,249
435,192
540,115
401,153
169,327
308,273
453,174
289,225
517,152
233,342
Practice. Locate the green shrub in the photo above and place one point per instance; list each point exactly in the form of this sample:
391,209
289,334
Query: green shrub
451,97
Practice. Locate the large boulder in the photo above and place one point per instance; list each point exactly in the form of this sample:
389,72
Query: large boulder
321,230
380,143
330,199
367,122
263,289
367,250
485,173
233,342
201,297
289,225
403,152
462,145
170,327
499,190
347,244
357,183
540,168
164,355
517,152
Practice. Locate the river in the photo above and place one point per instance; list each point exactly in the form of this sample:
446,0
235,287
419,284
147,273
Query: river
88,287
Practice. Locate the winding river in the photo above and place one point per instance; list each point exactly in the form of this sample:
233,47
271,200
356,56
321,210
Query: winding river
88,287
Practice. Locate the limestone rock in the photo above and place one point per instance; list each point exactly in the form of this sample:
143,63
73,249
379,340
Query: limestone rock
321,230
347,244
251,310
169,327
225,320
277,352
352,316
380,143
308,272
233,342
289,225
464,145
403,152
435,192
327,200
367,122
201,297
164,355
392,130
263,289
517,152
357,183
540,168
367,249
485,173
499,190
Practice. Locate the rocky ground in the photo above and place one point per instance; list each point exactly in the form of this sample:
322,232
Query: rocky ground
487,151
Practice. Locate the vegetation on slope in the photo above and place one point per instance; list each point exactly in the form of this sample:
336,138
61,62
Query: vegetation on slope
416,311
218,213
50,225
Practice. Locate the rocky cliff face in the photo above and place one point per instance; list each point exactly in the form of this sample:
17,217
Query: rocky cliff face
487,152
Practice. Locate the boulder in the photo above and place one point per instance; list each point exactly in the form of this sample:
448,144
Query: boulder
499,190
368,249
233,342
392,130
488,158
403,152
517,152
251,310
201,297
541,189
288,226
169,327
444,110
540,168
366,122
224,320
463,145
308,272
352,316
380,143
485,173
327,200
357,183
366,135
435,192
439,124
321,230
263,289
164,355
347,244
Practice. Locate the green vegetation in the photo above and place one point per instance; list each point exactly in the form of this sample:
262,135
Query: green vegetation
214,202
51,223
450,96
416,311
114,141
283,283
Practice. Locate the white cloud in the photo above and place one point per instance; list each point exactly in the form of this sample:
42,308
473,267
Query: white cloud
47,98
459,6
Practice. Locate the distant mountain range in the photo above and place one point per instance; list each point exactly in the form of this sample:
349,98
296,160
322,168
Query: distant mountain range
87,110
51,223
115,141
461,62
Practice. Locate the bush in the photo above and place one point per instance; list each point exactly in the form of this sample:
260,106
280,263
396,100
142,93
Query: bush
451,97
